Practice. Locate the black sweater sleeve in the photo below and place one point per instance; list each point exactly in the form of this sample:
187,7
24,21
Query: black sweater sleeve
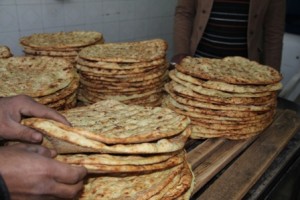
4,194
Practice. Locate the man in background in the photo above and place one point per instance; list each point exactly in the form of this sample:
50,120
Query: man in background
218,28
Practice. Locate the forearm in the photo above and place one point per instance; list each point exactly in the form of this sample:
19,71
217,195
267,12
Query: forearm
183,26
273,35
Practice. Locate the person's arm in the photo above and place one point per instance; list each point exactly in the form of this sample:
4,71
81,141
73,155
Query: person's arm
13,109
273,33
183,26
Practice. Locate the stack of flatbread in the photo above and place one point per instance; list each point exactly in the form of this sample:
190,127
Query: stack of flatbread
232,97
50,81
130,72
60,44
131,152
5,52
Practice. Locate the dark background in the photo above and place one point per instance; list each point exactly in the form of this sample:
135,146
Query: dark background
293,16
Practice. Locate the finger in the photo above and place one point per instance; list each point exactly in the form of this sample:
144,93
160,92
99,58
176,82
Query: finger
44,151
25,133
53,153
44,112
33,109
68,174
39,150
66,191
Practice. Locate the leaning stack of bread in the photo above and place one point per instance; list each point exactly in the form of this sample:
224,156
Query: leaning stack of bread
50,81
130,72
5,52
232,97
132,152
59,44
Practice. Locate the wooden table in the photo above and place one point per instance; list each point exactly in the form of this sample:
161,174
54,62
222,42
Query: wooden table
226,169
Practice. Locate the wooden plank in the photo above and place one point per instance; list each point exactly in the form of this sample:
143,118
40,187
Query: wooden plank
221,156
241,175
202,151
278,166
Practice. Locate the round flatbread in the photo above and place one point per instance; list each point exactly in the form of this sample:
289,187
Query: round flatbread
180,90
213,92
234,70
140,186
64,141
122,164
34,76
207,132
167,101
128,52
114,65
226,87
208,105
112,122
218,119
60,94
140,77
61,40
179,188
50,53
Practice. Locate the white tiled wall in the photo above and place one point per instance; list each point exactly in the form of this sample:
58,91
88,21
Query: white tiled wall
118,20
290,66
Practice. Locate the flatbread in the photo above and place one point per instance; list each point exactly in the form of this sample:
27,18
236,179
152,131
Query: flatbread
187,195
211,112
128,52
123,98
140,77
234,70
62,103
132,168
150,73
112,122
135,187
207,105
213,92
120,91
71,142
117,71
217,132
178,187
34,76
180,90
194,116
50,53
123,86
124,90
61,40
109,159
61,94
143,100
226,87
224,126
121,66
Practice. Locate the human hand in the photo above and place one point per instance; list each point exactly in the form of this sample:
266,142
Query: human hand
30,173
13,109
176,60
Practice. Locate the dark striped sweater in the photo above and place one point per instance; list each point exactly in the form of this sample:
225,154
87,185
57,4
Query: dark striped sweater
226,30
